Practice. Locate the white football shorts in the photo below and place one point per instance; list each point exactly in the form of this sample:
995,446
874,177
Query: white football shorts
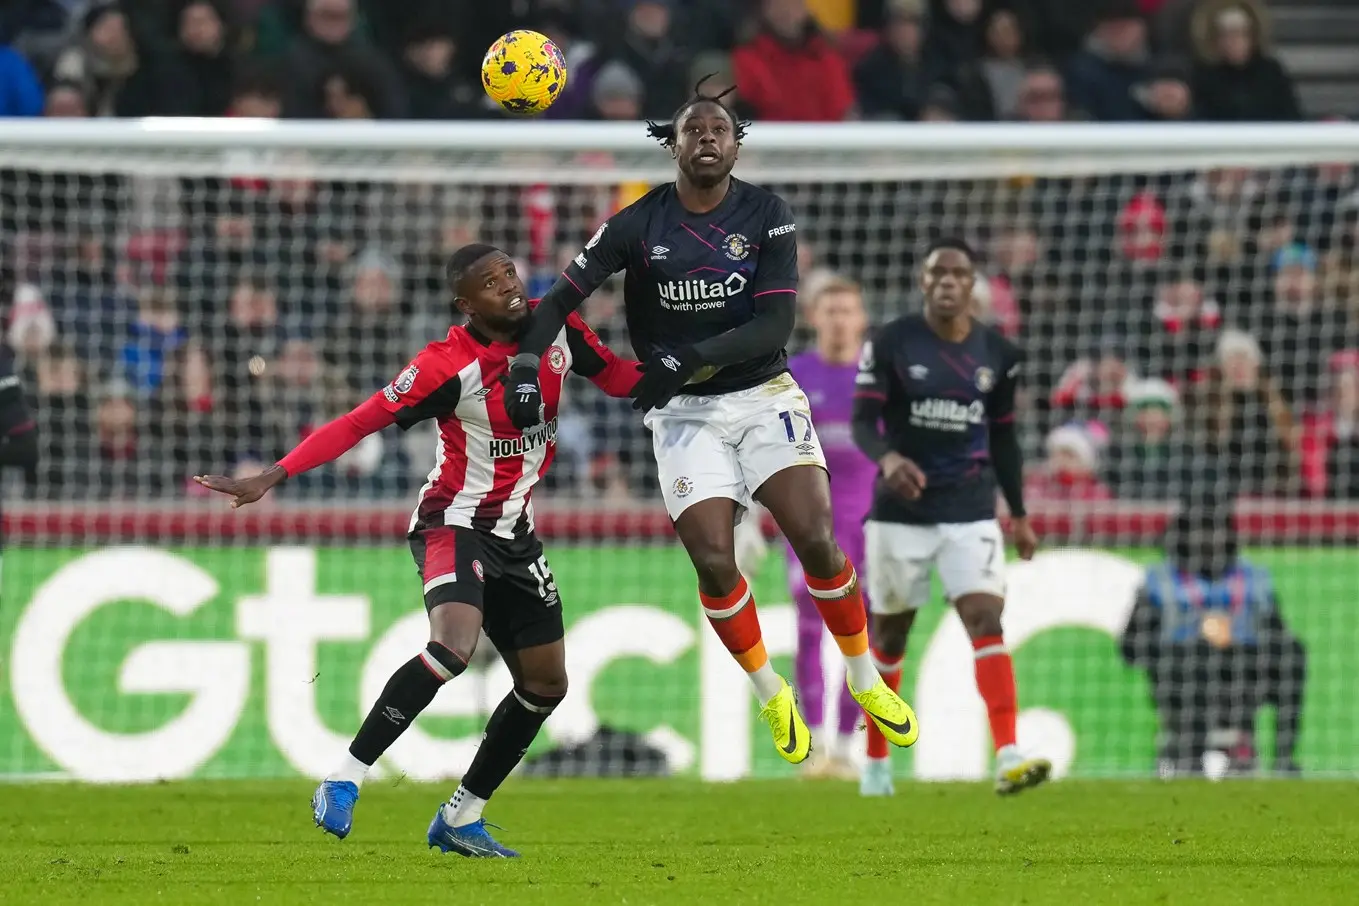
728,445
969,556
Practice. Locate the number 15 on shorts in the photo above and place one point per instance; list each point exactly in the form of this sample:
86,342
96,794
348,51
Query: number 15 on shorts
547,586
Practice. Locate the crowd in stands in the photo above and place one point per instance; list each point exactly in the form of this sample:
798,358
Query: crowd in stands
1196,328
933,60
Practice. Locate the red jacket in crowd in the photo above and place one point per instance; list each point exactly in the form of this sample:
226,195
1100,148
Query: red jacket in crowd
809,82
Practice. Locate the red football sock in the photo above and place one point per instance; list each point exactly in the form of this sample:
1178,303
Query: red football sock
734,619
841,606
890,668
996,683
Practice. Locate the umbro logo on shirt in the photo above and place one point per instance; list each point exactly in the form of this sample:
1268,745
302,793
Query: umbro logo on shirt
671,362
919,372
659,252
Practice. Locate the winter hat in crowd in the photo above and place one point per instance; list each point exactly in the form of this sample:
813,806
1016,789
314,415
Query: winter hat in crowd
98,11
616,80
31,324
1233,341
1153,392
1076,440
1295,255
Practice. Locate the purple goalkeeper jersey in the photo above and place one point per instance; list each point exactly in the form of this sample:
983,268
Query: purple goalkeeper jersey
830,390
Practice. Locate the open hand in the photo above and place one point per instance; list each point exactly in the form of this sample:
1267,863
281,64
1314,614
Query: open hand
243,490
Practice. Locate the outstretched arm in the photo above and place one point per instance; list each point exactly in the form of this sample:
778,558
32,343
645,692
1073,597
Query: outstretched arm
326,444
423,390
592,359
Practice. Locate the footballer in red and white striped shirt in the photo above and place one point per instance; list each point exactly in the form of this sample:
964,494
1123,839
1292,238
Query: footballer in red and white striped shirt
471,533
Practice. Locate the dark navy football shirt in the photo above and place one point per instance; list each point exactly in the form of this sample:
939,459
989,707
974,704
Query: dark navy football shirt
690,277
939,400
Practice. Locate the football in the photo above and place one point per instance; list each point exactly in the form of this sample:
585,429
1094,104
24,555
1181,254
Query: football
523,72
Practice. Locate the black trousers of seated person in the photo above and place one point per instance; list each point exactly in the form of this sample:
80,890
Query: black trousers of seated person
1200,689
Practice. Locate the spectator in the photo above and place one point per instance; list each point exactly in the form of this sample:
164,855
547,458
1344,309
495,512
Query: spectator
1301,329
1042,96
119,465
952,39
1236,80
1341,435
1094,386
1101,77
352,89
63,411
434,88
889,80
1246,421
300,391
617,94
651,50
369,342
247,348
1070,474
32,328
207,41
118,75
194,433
66,100
153,335
1207,629
1148,459
1165,95
256,93
1176,342
1142,227
20,90
1002,66
329,47
791,71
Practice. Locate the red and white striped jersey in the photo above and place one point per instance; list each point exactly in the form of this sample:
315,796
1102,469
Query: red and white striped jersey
485,468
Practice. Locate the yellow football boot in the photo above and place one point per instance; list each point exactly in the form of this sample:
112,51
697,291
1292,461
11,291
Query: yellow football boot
893,716
791,736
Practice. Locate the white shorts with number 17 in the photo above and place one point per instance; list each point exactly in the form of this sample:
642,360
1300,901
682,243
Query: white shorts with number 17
728,445
969,556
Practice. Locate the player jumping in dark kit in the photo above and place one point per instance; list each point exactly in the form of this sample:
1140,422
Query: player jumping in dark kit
711,296
472,535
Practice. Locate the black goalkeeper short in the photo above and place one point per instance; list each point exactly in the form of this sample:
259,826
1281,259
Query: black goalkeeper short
507,580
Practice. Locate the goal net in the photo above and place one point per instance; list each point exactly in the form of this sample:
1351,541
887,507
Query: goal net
196,296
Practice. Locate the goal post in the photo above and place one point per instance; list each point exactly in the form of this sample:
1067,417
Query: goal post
196,295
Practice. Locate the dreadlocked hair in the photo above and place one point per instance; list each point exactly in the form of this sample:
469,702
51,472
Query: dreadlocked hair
668,133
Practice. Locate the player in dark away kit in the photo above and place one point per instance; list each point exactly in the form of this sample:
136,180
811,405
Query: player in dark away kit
471,534
934,406
710,294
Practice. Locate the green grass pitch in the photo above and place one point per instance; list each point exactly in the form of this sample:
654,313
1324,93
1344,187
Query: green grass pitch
671,841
